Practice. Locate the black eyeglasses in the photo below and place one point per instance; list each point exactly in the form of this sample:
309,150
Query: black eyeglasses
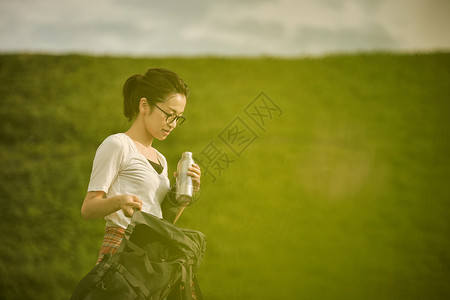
172,117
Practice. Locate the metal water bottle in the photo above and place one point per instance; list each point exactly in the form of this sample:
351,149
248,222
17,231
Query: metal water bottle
185,189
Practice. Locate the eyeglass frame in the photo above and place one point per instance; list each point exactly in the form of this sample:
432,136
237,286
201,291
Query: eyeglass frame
182,118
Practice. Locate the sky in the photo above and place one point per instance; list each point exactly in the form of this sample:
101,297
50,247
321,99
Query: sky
226,28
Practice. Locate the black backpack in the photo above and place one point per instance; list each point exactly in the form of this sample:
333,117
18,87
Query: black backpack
156,260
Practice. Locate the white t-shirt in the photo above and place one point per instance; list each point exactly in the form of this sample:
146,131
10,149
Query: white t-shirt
119,168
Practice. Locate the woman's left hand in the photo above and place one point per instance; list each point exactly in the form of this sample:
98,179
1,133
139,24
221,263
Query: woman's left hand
195,173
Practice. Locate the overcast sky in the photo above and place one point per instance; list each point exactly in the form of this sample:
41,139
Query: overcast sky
228,27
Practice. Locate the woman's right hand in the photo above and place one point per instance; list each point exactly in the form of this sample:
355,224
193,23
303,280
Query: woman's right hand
129,203
97,205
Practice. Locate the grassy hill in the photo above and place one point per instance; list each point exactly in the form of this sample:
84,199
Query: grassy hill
330,179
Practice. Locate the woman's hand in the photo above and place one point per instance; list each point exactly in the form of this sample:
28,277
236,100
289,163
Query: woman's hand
129,203
97,205
195,173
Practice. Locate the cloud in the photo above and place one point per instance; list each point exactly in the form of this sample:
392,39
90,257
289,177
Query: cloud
417,24
315,40
228,27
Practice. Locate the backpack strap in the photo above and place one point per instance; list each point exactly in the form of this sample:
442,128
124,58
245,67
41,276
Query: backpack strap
133,281
138,250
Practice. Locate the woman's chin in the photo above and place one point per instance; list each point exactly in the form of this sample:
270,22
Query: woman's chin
161,137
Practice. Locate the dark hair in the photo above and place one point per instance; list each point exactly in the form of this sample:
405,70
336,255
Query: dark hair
156,86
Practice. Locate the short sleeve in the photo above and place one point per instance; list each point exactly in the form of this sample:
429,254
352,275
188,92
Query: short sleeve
107,163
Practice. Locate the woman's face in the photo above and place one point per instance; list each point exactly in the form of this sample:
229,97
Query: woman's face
155,119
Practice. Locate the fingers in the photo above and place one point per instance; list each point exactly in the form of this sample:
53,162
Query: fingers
135,206
130,209
195,174
130,203
194,171
137,200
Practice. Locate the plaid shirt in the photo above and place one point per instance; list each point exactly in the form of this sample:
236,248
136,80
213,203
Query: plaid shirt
111,240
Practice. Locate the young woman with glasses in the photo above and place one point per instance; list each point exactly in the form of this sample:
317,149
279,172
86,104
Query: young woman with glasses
128,173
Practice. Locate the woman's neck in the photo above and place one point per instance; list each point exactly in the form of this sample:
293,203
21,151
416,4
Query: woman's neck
140,135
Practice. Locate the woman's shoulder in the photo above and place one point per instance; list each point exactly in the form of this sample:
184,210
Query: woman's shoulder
114,139
116,142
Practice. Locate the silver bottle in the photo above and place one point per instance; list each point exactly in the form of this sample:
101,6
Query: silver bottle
185,189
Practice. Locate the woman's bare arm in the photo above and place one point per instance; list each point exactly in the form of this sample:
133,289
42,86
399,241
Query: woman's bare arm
97,205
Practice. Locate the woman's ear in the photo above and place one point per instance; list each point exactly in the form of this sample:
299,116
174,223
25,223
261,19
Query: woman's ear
144,105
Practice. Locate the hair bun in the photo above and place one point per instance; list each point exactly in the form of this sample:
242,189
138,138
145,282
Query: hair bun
156,85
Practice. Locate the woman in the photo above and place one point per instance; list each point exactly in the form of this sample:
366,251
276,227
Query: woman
128,173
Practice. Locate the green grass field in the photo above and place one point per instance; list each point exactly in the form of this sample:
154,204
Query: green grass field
343,193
